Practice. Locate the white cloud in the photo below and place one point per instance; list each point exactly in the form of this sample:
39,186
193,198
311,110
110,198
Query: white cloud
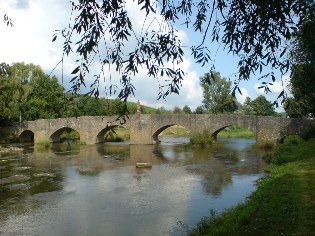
30,38
258,91
29,41
241,97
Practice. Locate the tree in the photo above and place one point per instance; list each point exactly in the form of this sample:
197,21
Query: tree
216,94
200,110
246,108
177,110
46,99
27,93
187,110
255,31
262,107
302,82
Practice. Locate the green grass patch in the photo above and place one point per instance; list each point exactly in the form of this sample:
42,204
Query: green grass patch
72,135
283,203
117,135
236,132
176,131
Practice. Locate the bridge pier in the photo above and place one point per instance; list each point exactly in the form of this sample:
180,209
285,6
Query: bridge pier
141,129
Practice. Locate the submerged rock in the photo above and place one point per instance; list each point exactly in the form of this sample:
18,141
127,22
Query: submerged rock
21,168
38,175
15,187
14,178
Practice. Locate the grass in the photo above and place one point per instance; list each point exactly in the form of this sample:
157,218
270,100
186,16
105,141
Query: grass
283,204
236,132
176,131
120,135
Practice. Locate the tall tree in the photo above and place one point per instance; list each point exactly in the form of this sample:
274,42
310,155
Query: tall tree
45,100
303,72
216,94
255,31
186,109
262,107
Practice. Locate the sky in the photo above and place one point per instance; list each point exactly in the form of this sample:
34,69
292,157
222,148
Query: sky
30,41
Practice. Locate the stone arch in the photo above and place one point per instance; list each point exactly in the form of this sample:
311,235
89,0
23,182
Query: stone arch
55,136
218,130
155,135
26,136
101,134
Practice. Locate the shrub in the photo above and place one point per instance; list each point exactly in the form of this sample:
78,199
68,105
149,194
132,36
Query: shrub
72,135
293,140
202,139
292,150
42,145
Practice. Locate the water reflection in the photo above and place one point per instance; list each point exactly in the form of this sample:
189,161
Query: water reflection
97,190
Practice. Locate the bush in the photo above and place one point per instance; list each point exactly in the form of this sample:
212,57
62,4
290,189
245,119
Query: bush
42,145
202,139
72,135
293,149
293,140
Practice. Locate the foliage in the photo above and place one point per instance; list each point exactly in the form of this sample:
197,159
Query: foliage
275,208
255,31
70,135
292,140
42,145
161,110
177,131
216,94
187,110
177,110
302,82
262,107
200,110
292,150
117,135
201,139
26,92
259,106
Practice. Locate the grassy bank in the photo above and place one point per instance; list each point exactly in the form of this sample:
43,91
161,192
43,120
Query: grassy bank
283,204
236,132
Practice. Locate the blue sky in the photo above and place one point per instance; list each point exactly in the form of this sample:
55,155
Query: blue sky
29,41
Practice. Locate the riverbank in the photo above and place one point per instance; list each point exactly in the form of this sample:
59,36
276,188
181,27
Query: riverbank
283,204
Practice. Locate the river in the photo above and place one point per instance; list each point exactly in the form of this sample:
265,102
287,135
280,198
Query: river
97,190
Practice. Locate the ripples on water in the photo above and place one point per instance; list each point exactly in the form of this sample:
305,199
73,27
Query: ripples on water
97,190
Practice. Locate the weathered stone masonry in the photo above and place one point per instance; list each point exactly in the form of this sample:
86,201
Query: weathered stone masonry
144,129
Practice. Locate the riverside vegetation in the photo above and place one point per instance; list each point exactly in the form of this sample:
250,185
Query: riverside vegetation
283,203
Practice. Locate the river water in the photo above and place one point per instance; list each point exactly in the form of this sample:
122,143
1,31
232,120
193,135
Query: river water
97,190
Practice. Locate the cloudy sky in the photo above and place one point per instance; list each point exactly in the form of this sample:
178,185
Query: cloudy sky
30,41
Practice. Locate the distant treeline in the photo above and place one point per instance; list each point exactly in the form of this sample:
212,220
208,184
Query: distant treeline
27,93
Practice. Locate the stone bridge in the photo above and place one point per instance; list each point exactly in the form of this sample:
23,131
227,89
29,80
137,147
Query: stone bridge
144,128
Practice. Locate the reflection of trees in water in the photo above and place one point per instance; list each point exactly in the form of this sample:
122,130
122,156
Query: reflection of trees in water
217,164
24,177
